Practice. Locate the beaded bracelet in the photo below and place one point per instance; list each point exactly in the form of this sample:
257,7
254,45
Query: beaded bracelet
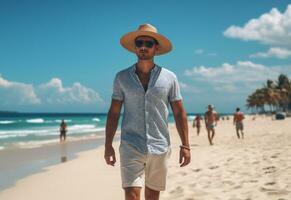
185,147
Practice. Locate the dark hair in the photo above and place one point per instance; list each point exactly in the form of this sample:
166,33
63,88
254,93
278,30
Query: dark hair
237,109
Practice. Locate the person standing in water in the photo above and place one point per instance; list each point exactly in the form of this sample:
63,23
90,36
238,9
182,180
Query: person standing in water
63,131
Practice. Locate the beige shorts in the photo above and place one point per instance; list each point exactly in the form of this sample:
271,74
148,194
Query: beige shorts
134,165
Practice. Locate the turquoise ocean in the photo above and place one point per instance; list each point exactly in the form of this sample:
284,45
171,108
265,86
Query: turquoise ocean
25,130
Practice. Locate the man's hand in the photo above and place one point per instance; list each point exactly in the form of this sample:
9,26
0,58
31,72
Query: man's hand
185,157
109,155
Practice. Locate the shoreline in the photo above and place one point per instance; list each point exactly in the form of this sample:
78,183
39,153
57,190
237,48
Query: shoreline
18,163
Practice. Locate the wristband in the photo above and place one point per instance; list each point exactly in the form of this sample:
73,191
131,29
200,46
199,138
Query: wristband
185,147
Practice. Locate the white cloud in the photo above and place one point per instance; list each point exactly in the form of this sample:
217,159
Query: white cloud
203,72
277,52
51,93
212,54
230,77
226,88
189,88
15,93
54,92
273,28
199,51
202,51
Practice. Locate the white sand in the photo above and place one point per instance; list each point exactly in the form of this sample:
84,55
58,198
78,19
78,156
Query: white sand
258,167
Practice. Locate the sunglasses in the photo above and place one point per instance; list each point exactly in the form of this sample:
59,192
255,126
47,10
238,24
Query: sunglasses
146,43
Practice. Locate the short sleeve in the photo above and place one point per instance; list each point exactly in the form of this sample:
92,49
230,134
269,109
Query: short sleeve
175,93
117,92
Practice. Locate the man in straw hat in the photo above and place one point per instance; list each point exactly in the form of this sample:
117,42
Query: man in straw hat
146,90
211,118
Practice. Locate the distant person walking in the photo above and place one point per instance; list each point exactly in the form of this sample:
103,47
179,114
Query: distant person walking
211,118
238,118
63,131
197,123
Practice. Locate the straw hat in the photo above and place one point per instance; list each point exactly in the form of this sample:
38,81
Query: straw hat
211,106
127,41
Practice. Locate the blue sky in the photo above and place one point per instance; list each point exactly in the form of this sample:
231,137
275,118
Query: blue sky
62,56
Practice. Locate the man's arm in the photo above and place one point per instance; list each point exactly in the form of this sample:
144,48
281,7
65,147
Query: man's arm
205,120
182,127
111,126
216,118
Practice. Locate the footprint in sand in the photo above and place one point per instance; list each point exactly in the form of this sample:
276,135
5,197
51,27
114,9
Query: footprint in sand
272,191
263,189
237,187
270,169
183,173
278,192
197,170
177,192
270,183
275,155
213,167
192,185
228,182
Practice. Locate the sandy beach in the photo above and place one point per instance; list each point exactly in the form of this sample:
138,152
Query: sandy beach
257,167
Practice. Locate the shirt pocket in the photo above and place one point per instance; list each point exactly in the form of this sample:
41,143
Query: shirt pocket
160,93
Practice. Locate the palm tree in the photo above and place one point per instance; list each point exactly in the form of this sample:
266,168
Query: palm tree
283,85
256,100
271,95
277,95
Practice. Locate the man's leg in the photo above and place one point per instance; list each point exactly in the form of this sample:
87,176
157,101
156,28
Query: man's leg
242,130
242,134
237,133
156,175
132,164
209,137
132,193
212,136
151,194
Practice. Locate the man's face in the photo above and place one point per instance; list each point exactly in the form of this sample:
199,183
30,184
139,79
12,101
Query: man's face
146,47
210,109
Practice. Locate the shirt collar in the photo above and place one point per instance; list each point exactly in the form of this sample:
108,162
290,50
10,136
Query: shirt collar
154,69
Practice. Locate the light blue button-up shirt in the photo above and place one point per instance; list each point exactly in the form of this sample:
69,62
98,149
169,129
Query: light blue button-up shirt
145,117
